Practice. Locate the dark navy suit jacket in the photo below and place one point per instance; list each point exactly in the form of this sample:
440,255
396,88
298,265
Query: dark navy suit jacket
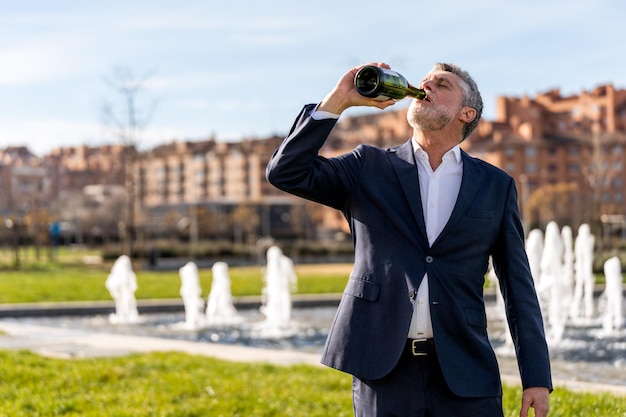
379,194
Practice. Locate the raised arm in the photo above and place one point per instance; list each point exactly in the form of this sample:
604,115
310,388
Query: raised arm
296,166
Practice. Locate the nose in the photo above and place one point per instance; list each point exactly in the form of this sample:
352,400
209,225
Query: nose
427,85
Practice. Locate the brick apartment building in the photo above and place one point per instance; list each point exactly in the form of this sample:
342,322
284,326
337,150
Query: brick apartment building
567,155
220,185
23,179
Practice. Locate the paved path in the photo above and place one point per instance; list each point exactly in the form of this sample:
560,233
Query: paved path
73,343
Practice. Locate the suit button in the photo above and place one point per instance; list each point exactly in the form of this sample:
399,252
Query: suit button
429,259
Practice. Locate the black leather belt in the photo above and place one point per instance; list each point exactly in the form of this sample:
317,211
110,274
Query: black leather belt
420,347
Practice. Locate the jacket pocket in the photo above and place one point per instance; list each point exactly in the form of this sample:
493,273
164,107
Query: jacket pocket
476,317
362,289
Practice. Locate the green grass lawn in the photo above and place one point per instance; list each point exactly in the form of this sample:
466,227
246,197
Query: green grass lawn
75,282
166,384
181,385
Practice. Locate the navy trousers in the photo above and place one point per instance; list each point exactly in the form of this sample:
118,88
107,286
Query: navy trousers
416,388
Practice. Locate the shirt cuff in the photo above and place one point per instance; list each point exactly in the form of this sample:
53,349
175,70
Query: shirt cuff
321,115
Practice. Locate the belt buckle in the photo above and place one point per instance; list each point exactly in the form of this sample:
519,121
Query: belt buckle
414,351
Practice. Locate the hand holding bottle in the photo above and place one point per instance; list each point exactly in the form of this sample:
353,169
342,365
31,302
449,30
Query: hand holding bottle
383,84
345,94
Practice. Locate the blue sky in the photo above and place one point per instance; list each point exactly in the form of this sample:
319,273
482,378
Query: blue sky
236,69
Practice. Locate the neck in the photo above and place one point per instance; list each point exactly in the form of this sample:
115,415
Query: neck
435,144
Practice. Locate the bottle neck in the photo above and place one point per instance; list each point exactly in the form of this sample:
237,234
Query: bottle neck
418,93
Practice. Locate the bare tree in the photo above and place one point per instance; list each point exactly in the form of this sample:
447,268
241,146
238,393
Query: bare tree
603,156
245,222
546,202
128,119
605,162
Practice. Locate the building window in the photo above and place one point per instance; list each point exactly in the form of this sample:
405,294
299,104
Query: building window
510,167
530,151
530,168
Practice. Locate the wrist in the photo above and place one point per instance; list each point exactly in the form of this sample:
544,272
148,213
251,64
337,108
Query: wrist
333,103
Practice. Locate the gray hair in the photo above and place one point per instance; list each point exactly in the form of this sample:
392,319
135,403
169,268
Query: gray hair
471,95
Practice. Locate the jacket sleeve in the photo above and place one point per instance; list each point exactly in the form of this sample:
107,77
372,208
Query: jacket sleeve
297,168
521,303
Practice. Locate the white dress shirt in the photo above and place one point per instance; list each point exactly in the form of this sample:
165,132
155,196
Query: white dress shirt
439,190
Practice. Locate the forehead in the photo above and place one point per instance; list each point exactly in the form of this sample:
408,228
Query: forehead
440,75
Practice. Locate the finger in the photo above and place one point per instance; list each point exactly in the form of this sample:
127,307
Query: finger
387,103
541,412
524,411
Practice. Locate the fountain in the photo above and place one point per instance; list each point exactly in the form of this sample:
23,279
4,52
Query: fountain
551,284
220,319
584,278
534,250
556,260
567,272
508,346
220,308
280,280
582,339
191,293
122,284
613,316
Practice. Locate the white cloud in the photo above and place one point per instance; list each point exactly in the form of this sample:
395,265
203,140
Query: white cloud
31,64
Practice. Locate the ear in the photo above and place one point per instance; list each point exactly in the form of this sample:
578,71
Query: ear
467,114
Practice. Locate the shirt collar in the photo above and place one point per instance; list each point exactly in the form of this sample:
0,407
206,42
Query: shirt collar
454,153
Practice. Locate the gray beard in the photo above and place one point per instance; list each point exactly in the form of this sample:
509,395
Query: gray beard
429,119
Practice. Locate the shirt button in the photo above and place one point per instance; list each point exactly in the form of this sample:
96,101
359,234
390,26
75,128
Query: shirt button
429,259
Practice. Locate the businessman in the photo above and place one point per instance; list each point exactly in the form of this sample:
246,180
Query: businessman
425,218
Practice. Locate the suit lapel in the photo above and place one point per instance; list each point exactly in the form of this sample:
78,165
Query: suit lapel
470,183
406,171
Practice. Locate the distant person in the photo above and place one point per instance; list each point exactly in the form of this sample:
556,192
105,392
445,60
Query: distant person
425,217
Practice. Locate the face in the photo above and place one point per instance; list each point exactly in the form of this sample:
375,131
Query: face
443,105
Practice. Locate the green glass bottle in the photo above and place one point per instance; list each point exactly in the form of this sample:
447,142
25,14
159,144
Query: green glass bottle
384,84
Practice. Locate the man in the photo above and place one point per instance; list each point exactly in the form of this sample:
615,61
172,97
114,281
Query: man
425,218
